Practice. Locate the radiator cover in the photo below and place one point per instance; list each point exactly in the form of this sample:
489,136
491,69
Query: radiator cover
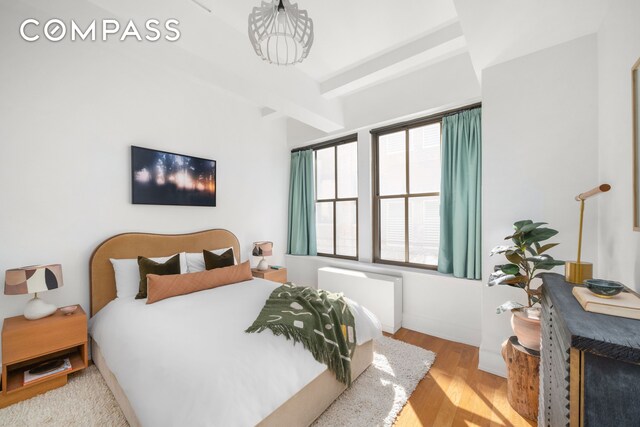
380,293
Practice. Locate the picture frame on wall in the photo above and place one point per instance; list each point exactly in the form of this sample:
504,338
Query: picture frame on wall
165,178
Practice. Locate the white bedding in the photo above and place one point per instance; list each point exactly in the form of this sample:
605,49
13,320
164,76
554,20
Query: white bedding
186,361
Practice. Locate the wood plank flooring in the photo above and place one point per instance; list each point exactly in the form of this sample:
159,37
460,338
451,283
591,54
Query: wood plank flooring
455,392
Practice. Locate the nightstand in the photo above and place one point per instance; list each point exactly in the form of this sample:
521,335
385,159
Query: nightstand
271,274
26,343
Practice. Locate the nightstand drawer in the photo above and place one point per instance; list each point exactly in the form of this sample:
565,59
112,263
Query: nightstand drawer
271,274
24,339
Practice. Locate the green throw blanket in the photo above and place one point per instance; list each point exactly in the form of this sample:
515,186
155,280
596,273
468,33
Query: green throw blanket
318,319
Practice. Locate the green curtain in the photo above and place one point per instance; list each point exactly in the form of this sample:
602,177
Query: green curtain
460,195
302,205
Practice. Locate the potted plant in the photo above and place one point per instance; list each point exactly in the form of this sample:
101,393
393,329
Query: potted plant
527,258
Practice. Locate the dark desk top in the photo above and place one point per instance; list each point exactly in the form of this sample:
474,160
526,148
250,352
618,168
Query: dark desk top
610,336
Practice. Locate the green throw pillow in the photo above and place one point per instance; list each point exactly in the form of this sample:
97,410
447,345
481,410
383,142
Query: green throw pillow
147,266
212,260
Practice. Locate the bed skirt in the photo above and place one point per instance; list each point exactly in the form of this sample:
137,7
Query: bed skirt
301,409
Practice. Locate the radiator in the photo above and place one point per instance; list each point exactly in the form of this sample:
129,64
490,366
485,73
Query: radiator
379,293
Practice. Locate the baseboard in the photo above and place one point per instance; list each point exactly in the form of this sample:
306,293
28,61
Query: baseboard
390,329
441,329
492,362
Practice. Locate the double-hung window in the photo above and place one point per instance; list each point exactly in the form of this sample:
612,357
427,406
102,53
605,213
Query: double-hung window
406,197
336,170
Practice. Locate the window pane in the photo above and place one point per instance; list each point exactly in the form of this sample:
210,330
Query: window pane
325,174
424,230
393,163
346,235
424,159
348,170
392,229
324,227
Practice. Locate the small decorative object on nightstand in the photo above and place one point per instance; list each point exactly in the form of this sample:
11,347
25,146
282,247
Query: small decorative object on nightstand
27,344
31,280
279,275
262,249
69,310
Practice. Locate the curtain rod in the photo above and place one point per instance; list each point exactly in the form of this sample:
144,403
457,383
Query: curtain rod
425,120
319,145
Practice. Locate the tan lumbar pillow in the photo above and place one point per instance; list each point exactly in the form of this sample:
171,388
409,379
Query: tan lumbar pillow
163,287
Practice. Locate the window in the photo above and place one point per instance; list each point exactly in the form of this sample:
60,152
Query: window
406,205
336,169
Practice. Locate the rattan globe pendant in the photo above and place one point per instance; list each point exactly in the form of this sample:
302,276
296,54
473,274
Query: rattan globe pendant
280,33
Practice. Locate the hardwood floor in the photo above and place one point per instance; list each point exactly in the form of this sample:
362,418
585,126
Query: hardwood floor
455,392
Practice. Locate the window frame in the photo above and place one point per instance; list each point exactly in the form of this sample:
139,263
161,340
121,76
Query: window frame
377,198
335,144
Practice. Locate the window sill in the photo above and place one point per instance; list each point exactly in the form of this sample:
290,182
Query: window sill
374,267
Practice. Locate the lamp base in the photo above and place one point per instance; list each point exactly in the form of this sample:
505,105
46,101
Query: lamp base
263,265
578,272
37,309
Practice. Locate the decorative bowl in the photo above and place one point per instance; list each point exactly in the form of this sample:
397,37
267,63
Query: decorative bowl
70,309
604,288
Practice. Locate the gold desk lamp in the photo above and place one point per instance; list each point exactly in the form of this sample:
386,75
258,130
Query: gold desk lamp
578,271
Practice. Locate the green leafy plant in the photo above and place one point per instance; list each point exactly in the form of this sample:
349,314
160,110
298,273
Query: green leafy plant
527,258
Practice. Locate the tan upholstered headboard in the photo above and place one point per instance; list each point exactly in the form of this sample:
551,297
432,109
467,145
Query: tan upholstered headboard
131,245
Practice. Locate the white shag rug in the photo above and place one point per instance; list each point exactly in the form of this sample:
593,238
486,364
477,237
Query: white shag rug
85,401
378,395
374,399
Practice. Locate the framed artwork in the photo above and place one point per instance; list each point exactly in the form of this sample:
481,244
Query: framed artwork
163,178
635,78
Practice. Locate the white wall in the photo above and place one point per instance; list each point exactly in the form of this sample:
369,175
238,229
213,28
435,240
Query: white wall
450,82
540,149
433,303
618,50
69,113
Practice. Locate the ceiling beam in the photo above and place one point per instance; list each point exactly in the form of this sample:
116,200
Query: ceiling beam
429,49
270,114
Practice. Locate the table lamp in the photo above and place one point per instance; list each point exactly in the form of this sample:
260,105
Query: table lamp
578,271
262,249
31,280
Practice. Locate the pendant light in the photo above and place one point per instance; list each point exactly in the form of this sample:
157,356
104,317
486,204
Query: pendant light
280,33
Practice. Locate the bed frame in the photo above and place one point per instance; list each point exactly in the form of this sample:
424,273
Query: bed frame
300,410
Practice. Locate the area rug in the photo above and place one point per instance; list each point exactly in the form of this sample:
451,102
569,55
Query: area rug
379,394
84,401
374,399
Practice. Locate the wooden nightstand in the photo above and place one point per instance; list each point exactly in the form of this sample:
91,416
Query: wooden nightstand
271,274
26,343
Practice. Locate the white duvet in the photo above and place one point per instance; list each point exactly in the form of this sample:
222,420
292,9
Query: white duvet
186,361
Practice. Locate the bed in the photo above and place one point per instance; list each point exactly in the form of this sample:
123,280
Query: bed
187,361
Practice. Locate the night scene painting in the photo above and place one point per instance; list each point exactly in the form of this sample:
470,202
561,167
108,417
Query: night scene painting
161,178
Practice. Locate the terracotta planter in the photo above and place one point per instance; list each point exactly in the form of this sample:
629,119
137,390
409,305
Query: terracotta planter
526,325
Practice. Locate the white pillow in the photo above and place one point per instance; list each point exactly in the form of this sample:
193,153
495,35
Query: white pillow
128,274
195,261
